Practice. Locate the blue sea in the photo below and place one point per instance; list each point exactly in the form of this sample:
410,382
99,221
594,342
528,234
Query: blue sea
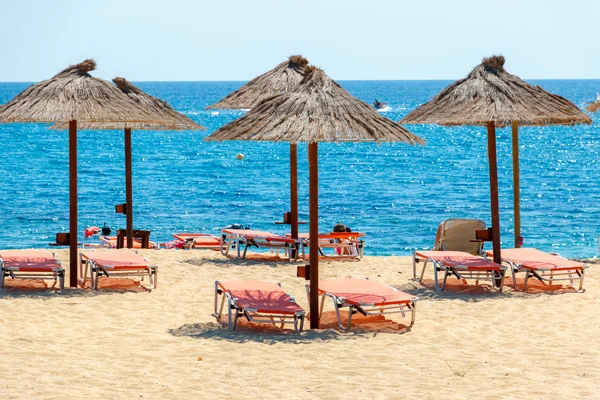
397,194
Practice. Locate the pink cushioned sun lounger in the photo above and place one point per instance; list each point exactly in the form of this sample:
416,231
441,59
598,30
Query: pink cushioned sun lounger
30,264
259,239
114,263
462,265
365,297
200,241
259,302
543,266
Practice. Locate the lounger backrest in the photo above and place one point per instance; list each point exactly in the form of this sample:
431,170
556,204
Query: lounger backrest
456,234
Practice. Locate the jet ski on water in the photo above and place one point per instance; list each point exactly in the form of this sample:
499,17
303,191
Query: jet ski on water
379,105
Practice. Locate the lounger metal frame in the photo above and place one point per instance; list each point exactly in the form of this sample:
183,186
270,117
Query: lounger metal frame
56,274
548,274
459,271
97,270
229,240
251,314
366,308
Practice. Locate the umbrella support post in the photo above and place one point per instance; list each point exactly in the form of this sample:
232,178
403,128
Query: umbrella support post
516,183
128,189
73,259
313,169
294,189
494,202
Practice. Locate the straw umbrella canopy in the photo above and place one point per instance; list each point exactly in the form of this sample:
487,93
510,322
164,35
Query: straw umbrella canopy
171,120
284,78
492,97
318,110
593,107
74,95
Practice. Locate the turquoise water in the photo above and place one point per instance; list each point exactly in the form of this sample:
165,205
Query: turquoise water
395,193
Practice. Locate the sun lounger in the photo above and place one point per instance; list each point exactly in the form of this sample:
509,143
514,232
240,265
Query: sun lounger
259,302
111,241
259,239
344,244
543,266
457,234
115,263
30,264
365,297
462,265
201,241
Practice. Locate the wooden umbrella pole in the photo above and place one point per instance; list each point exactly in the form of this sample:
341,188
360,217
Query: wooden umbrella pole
494,202
516,182
313,168
294,189
73,204
128,189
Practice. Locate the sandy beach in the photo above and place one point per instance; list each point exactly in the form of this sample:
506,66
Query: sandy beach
127,342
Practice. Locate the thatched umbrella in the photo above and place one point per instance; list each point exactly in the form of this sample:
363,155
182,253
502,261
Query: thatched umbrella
171,120
319,110
284,78
492,97
74,95
595,106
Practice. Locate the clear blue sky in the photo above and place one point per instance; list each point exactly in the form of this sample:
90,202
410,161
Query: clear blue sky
175,40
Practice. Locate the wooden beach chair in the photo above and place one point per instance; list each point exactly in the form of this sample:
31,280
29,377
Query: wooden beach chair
199,241
462,265
259,302
543,266
260,239
30,264
365,297
344,244
115,263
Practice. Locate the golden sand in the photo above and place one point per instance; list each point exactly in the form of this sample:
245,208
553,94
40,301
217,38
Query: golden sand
125,342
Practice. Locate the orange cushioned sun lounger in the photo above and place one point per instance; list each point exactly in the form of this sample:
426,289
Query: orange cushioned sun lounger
200,241
344,244
365,297
462,265
259,239
543,266
115,263
259,302
111,241
30,264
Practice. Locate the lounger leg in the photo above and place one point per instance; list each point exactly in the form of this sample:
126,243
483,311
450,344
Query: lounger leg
229,310
527,273
2,275
61,280
235,320
414,312
90,266
349,317
435,277
514,275
581,279
301,322
337,313
423,270
321,307
446,273
245,250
